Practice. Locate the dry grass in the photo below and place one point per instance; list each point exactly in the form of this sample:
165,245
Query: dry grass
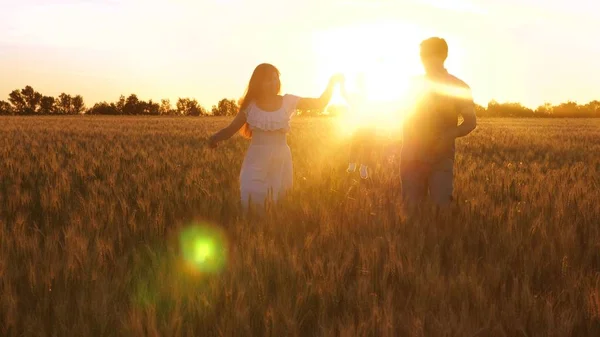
91,207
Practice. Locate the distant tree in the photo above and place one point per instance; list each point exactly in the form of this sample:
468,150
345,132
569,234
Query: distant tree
166,108
151,108
64,104
6,108
480,110
120,105
203,111
225,107
508,109
133,106
77,105
567,109
592,109
493,108
32,100
103,108
25,101
544,110
189,107
17,100
47,105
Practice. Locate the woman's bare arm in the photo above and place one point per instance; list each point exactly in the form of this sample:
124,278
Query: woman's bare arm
230,130
321,102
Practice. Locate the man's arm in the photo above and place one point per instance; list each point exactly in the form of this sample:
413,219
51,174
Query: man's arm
469,121
466,108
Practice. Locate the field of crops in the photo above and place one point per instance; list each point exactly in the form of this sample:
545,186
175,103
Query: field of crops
92,210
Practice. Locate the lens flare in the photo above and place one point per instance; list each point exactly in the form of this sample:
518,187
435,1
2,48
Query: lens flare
204,248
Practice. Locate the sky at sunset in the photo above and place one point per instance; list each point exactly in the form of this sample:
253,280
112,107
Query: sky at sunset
528,51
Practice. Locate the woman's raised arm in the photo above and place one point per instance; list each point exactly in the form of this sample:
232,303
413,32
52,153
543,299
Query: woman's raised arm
321,102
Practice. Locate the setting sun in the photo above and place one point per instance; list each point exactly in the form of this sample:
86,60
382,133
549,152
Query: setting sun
384,55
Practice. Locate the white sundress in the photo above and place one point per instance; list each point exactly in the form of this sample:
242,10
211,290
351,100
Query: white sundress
267,170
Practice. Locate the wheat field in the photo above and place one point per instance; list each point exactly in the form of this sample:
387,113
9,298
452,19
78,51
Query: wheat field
92,209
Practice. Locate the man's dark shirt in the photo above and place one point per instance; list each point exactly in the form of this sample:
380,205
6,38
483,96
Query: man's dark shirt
431,127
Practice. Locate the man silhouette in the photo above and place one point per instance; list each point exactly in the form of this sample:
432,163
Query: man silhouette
429,131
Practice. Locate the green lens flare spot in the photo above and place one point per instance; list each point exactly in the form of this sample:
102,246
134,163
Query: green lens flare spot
204,248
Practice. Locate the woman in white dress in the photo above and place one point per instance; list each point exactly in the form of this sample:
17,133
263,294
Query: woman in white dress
264,117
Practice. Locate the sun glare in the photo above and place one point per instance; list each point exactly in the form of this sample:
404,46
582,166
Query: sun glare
384,55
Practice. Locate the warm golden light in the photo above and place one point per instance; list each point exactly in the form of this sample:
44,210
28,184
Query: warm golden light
378,60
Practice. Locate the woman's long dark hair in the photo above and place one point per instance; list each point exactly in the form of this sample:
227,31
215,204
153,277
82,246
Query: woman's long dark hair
261,74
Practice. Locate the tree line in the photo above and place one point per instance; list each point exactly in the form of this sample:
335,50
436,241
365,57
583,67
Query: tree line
28,101
568,109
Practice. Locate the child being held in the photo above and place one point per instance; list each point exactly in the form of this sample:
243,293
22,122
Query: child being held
361,142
